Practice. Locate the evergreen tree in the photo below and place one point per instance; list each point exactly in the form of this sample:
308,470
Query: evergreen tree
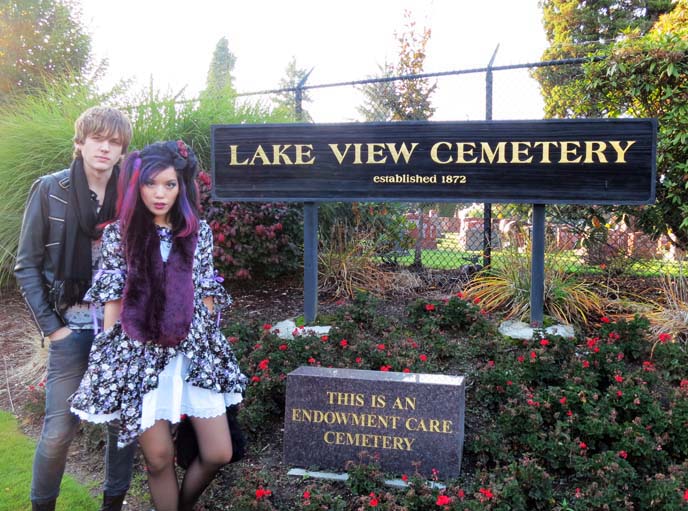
379,97
413,95
402,100
286,101
41,41
221,66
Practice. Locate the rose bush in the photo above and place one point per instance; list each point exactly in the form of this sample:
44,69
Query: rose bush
252,239
592,423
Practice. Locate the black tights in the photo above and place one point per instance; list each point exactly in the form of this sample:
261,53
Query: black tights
215,450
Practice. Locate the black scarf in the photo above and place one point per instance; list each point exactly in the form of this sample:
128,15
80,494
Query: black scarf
81,227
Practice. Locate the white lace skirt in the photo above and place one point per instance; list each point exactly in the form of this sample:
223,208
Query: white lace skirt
172,398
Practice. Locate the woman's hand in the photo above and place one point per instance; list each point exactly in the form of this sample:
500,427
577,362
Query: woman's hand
209,303
111,313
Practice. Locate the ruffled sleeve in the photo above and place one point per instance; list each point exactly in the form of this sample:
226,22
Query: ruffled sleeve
108,284
210,282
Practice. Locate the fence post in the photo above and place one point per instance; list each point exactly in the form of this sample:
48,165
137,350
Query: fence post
310,261
537,272
487,208
418,256
310,232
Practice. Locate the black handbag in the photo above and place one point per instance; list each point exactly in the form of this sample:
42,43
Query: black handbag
186,444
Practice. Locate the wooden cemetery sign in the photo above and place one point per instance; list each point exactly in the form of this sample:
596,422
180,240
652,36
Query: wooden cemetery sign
576,161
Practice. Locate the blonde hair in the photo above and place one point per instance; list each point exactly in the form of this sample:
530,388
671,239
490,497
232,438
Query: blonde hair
105,121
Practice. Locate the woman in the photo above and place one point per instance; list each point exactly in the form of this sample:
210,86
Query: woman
161,354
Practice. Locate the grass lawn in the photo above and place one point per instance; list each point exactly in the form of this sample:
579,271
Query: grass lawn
16,453
448,259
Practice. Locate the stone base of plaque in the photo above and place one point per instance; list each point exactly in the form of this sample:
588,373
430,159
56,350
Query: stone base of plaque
333,476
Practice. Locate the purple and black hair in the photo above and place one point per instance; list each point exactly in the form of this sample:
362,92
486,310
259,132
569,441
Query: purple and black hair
141,166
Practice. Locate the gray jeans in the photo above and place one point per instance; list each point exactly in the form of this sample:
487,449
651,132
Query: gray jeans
67,361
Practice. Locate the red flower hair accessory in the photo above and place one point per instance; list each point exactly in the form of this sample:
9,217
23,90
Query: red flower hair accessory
183,150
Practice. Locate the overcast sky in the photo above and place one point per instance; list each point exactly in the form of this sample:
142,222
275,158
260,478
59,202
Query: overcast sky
172,41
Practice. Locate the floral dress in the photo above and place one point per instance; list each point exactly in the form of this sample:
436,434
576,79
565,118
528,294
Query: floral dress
138,383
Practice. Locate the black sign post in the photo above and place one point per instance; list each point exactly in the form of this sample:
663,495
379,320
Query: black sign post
572,161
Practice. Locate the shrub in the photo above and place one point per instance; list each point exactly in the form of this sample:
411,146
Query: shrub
597,411
671,317
455,314
365,476
597,422
251,239
383,226
314,498
267,359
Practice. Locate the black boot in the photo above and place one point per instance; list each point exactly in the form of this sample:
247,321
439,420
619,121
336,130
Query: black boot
43,506
112,502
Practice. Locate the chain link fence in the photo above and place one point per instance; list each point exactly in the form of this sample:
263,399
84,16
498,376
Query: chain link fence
449,236
453,235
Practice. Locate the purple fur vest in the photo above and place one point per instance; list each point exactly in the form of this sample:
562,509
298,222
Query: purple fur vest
158,300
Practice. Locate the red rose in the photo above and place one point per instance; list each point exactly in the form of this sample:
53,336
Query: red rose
443,500
261,493
204,177
486,493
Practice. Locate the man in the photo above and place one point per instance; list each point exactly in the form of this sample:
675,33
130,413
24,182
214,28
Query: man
59,249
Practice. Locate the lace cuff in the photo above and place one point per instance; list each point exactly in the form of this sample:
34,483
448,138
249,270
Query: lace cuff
213,287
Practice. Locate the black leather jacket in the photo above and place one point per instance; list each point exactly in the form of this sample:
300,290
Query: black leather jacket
40,248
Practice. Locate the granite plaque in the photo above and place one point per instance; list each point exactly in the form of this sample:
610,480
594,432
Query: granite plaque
410,422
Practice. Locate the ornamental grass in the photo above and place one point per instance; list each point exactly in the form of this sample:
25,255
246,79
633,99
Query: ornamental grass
348,264
671,317
504,287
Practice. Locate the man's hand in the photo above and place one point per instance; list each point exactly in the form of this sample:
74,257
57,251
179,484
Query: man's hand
59,334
